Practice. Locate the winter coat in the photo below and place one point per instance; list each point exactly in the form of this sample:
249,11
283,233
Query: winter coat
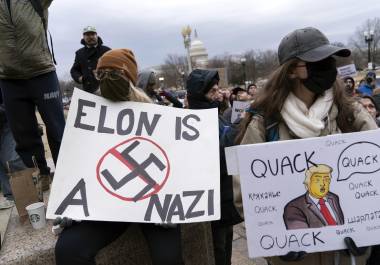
365,90
196,86
85,63
143,82
255,133
24,52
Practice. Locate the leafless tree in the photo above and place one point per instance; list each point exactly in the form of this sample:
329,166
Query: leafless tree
173,70
360,48
67,87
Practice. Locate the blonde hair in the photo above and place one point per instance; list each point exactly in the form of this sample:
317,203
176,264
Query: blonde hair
138,95
321,168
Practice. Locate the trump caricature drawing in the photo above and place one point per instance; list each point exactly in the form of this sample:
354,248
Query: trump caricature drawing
316,208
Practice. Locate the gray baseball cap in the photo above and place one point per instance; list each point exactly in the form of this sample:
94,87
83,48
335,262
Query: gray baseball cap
309,45
89,29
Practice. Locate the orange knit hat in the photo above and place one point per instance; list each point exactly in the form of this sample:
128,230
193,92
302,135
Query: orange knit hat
122,59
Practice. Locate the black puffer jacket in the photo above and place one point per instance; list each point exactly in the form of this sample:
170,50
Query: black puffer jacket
198,84
85,63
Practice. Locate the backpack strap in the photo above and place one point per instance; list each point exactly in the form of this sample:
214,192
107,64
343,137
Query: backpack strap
36,4
272,132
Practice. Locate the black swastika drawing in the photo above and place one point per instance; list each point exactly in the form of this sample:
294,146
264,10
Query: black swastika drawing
138,170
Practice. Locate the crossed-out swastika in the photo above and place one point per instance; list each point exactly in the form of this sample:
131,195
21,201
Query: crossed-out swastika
136,170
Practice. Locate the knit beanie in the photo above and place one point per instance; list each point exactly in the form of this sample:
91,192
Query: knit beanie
122,59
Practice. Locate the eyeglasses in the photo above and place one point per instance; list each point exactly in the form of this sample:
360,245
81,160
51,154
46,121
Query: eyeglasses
112,75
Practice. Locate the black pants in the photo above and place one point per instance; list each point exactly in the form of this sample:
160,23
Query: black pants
21,97
222,239
79,244
374,259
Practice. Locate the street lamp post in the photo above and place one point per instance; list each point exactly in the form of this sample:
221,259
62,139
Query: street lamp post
368,36
161,80
243,60
186,34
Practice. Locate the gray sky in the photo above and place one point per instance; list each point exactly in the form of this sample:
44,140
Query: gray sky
152,28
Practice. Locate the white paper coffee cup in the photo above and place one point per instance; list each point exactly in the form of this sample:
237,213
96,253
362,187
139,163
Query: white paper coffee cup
36,212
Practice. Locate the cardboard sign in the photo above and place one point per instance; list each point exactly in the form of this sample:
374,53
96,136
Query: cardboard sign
238,107
347,70
308,195
136,162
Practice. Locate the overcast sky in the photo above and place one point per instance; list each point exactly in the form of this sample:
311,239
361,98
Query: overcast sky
152,28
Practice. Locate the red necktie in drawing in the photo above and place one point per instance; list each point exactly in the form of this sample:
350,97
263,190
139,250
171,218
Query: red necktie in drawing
326,213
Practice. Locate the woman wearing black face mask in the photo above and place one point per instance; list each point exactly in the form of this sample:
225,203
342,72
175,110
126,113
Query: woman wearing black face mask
305,100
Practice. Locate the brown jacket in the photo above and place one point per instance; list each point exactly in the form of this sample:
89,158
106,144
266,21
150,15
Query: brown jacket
255,133
302,212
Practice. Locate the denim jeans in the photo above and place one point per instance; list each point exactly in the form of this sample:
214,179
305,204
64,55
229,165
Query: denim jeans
8,155
21,97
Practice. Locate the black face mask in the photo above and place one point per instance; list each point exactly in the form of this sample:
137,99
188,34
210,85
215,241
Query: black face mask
320,75
115,90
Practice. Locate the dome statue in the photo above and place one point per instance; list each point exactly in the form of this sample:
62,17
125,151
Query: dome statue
198,52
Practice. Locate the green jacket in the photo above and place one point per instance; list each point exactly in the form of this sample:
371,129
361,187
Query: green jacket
24,52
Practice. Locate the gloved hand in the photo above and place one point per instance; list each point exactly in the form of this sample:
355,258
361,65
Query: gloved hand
294,256
61,223
353,249
167,225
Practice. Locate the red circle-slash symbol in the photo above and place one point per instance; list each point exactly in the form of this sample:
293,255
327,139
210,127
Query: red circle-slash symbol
134,169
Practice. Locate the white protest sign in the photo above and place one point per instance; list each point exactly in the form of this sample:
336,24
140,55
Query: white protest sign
137,162
238,108
347,70
308,195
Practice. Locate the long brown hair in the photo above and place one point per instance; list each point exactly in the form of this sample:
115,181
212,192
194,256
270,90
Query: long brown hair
272,98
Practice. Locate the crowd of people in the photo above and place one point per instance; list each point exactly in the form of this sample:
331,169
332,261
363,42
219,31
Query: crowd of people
304,97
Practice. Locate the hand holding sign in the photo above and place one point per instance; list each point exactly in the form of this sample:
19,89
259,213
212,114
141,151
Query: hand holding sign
136,162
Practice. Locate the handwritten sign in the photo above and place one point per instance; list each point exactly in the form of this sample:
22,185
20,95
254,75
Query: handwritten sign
136,162
308,195
238,108
347,70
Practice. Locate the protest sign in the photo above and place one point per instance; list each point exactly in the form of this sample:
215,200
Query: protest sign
347,70
136,162
309,194
238,108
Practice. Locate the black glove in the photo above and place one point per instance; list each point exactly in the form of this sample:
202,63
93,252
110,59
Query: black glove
353,249
61,223
294,256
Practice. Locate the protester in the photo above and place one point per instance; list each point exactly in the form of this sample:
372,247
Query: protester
301,92
202,93
349,86
28,79
370,105
79,244
376,97
147,82
237,94
369,84
240,95
8,157
223,100
86,59
252,91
